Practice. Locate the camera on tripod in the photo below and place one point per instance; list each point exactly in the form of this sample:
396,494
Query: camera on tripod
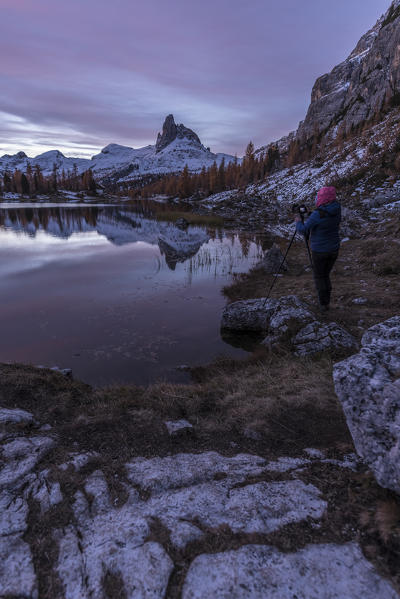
300,209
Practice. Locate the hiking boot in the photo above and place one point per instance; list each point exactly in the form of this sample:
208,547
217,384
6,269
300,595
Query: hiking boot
324,307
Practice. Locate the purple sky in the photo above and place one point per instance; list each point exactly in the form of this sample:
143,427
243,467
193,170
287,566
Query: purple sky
79,74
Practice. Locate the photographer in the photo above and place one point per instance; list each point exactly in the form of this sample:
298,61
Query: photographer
323,227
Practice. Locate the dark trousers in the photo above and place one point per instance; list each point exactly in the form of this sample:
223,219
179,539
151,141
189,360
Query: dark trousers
323,263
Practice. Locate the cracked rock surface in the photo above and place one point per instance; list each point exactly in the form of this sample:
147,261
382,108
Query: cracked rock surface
18,483
171,505
368,386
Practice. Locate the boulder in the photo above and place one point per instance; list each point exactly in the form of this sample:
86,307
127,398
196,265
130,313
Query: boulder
262,315
290,314
316,337
285,319
272,261
248,315
177,427
368,386
16,416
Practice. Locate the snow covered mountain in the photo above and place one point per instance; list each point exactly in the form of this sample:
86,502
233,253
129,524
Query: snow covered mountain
176,146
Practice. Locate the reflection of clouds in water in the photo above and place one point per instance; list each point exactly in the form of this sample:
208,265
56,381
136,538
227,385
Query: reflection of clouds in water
23,254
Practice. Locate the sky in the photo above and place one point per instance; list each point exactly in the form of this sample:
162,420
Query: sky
76,75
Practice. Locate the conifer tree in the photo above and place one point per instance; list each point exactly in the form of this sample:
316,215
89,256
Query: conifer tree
184,185
38,179
24,184
7,182
221,176
213,178
248,164
54,178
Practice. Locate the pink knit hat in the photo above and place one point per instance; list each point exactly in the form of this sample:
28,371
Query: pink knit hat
326,195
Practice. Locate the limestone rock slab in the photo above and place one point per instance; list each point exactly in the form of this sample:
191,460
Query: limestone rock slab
15,416
368,386
20,456
17,575
263,572
145,569
189,469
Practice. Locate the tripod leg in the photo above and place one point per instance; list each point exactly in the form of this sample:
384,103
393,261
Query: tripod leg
309,253
280,266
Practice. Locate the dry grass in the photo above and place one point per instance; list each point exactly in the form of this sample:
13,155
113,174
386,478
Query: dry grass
382,257
387,520
289,401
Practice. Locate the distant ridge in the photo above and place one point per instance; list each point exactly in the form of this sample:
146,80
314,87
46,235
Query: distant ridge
175,147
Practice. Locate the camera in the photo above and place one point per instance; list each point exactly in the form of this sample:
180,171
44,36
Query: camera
300,208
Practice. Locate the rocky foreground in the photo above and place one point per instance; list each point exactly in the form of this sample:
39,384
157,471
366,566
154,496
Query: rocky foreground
205,523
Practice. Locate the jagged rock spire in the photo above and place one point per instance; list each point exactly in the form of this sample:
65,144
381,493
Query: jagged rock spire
171,131
168,133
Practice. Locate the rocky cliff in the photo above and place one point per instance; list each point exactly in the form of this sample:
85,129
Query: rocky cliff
362,87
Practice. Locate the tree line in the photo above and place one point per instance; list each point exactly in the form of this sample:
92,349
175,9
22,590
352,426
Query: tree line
33,182
216,178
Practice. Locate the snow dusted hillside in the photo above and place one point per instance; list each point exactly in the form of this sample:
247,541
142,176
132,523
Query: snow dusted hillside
361,169
46,161
175,147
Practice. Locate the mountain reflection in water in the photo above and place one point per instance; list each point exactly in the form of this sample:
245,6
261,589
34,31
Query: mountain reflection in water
112,292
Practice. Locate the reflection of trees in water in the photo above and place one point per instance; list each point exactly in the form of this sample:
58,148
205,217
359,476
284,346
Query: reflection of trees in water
221,257
68,219
226,251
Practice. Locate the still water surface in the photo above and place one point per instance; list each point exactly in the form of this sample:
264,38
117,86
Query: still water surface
113,293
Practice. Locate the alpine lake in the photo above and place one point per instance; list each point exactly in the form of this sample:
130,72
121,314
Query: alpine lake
117,293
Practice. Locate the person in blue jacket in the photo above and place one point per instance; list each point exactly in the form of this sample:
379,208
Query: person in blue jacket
323,228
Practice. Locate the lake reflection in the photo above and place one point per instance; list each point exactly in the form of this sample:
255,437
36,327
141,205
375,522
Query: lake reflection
112,293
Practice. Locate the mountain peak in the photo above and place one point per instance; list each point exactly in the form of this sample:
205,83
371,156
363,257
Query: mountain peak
115,148
171,131
51,154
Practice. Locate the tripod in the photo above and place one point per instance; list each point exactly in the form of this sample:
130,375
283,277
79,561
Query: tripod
284,258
